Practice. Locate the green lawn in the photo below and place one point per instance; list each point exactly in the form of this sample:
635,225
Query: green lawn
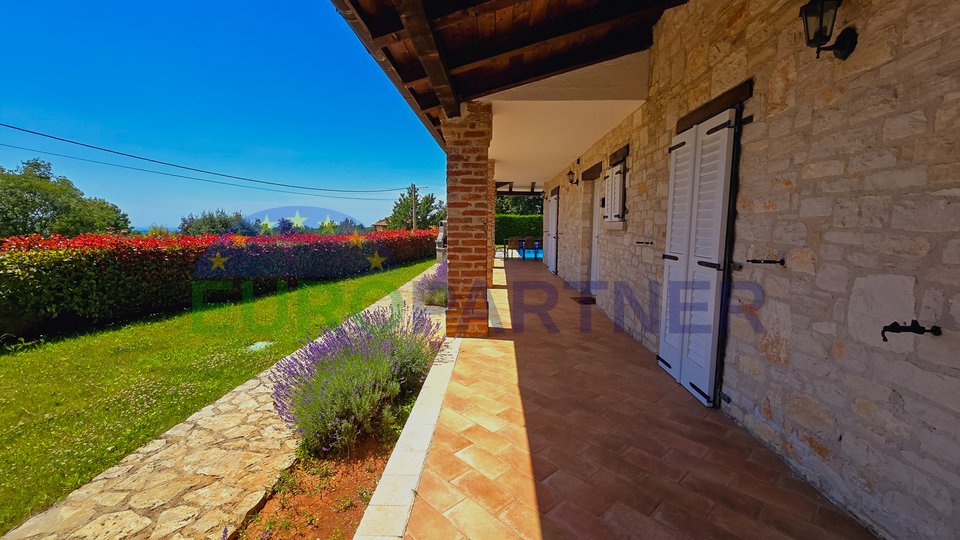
72,408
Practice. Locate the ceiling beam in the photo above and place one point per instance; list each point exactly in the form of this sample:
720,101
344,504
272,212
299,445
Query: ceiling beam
450,12
414,19
594,21
614,45
447,13
349,12
389,38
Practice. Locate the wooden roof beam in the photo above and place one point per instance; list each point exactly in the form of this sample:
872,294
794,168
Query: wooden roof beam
612,46
594,21
414,19
349,12
450,12
447,13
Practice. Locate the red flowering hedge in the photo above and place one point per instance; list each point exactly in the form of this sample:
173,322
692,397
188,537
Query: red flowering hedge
94,277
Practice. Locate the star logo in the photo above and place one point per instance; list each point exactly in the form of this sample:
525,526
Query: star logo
376,261
218,262
355,239
239,240
327,226
298,220
266,224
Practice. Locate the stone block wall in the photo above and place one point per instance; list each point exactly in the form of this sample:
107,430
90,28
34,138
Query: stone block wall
851,172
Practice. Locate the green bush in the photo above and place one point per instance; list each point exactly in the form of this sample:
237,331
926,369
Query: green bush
508,225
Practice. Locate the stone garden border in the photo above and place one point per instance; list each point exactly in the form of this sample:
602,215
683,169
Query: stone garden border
389,509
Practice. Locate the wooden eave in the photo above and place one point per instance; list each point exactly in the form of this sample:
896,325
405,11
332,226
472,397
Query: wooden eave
439,53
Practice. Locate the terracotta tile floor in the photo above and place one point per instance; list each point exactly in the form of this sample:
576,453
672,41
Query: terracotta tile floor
566,435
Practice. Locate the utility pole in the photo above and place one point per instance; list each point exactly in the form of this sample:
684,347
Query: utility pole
413,197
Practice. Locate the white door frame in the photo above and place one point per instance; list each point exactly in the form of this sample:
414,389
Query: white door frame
550,254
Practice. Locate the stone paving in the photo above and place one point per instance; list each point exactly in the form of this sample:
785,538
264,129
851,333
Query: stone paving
201,476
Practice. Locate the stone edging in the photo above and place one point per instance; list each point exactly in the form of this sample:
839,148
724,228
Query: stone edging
392,501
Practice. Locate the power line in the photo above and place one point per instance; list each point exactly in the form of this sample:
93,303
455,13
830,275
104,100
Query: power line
194,169
192,177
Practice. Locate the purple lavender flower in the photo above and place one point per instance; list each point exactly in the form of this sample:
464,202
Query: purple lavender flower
432,289
335,389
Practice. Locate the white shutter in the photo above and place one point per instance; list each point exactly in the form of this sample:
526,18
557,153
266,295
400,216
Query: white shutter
711,198
674,293
607,194
616,192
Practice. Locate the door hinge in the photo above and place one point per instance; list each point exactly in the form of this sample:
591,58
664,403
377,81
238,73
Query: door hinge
716,266
670,257
664,362
701,392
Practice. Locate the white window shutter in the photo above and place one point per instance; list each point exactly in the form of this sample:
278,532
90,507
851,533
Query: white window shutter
607,201
674,293
710,207
617,177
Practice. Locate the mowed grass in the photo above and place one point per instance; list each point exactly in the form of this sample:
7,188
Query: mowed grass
72,408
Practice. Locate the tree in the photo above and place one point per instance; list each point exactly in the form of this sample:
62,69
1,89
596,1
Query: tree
34,201
216,222
430,212
519,205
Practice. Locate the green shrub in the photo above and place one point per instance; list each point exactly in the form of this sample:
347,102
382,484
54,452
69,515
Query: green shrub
507,225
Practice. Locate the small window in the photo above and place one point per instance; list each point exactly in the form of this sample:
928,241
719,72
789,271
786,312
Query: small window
614,189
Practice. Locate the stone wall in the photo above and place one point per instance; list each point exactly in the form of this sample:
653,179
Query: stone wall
851,171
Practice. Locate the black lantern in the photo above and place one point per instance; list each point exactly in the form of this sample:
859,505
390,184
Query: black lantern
818,17
572,178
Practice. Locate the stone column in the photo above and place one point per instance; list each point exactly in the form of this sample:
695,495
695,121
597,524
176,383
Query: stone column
468,209
491,221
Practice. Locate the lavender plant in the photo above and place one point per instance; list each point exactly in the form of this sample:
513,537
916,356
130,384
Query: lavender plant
433,288
340,386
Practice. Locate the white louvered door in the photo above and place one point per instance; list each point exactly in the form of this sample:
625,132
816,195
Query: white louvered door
673,293
695,251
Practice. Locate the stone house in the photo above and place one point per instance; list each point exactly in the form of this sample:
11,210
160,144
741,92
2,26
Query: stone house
702,165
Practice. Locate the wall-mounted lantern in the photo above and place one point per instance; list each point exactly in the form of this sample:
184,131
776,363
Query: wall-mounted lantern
572,178
818,18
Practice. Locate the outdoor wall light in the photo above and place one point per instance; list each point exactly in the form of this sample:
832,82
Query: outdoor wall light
818,18
572,178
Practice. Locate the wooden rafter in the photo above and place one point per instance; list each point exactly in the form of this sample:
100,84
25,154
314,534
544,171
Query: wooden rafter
415,21
594,21
612,46
451,12
446,14
349,12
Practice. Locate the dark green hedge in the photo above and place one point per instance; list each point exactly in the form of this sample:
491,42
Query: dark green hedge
508,225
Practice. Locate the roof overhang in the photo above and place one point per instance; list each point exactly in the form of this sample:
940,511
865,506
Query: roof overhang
439,53
542,127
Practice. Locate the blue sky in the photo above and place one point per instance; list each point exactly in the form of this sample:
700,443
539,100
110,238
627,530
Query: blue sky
282,91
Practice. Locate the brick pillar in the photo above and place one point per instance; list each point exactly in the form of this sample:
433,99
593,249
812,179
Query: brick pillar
468,208
491,221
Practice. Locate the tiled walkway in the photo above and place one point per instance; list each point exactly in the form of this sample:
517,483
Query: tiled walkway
567,435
